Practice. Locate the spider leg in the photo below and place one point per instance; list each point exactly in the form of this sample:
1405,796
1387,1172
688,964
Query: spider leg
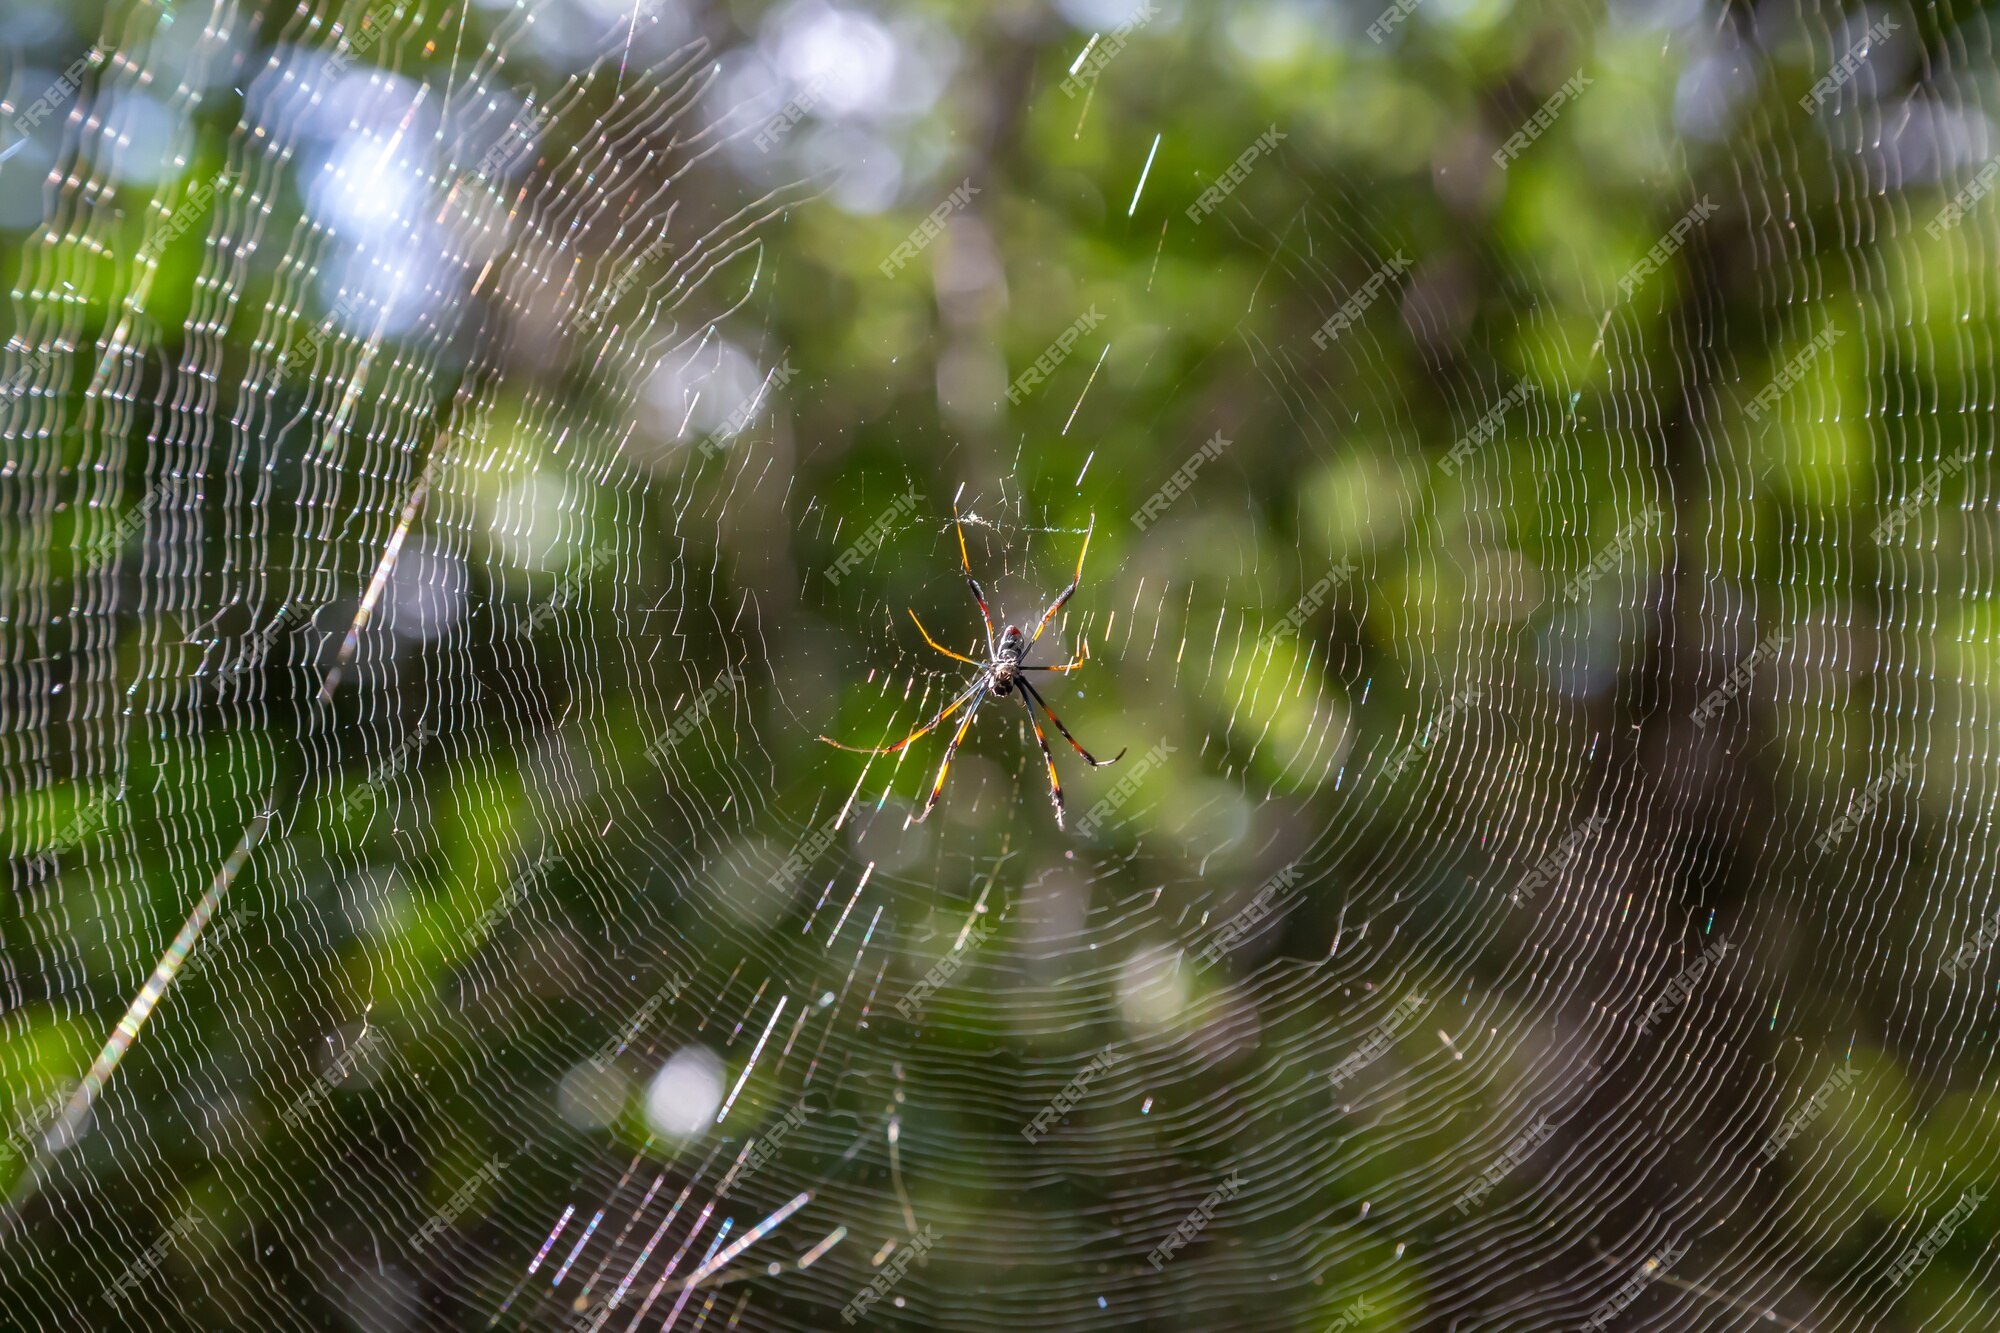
949,751
978,594
947,711
1081,653
1088,758
1068,592
935,644
1055,784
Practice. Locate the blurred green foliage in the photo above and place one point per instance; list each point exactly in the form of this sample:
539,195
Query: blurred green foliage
356,911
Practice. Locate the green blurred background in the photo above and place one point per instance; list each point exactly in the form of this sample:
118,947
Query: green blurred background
579,335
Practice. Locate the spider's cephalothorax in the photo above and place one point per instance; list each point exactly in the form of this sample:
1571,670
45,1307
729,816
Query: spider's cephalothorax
1006,667
999,676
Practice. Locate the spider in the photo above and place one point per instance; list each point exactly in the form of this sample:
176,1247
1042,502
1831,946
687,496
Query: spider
1000,675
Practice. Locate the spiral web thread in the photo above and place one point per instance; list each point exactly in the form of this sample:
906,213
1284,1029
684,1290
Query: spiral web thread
557,818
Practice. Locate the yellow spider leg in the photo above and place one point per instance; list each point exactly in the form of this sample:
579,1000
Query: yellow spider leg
949,751
1055,784
1082,652
949,709
1070,591
978,593
935,644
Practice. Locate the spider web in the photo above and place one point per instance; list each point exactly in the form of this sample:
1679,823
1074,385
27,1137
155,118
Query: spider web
429,577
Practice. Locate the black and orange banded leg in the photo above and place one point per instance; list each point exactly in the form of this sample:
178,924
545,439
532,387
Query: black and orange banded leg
1070,591
949,751
978,593
1088,758
1055,783
927,727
